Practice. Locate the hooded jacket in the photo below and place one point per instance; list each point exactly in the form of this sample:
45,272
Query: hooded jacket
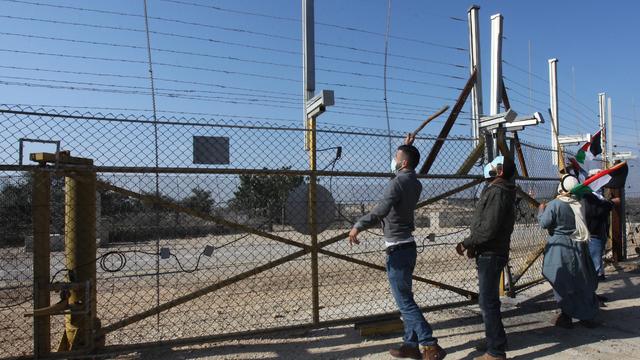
493,220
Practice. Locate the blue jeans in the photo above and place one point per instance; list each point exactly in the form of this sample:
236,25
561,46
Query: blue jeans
596,249
400,266
489,269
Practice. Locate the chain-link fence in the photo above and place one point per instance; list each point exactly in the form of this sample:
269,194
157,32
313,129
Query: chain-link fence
187,251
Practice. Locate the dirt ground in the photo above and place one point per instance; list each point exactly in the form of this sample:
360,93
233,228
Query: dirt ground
527,321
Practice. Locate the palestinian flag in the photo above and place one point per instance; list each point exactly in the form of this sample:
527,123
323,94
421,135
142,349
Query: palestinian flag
614,177
591,149
578,171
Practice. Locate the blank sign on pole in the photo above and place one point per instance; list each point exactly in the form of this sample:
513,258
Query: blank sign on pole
212,150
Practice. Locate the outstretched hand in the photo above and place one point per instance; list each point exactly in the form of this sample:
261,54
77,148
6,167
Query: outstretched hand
409,139
353,236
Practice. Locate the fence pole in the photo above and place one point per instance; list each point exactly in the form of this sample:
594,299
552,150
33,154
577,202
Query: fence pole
310,144
315,298
603,129
496,92
618,246
474,55
41,261
553,105
610,143
496,75
308,62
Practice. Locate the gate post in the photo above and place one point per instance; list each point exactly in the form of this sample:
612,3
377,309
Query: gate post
41,190
80,251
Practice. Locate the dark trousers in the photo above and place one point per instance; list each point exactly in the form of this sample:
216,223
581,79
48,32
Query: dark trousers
400,266
489,269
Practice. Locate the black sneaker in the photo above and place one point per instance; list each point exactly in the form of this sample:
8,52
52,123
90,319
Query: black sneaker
482,346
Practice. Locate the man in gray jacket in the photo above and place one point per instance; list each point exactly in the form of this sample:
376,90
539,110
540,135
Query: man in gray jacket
396,213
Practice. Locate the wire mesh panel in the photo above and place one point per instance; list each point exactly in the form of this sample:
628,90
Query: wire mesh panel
192,251
16,276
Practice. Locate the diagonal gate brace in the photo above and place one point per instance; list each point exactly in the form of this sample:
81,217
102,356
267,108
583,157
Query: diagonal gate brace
448,125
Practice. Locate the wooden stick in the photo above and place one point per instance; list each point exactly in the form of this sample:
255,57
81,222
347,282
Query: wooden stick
429,119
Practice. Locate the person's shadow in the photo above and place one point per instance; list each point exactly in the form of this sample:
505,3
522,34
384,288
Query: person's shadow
620,323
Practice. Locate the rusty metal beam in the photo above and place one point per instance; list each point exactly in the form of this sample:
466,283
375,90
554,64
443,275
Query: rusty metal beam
476,154
520,154
446,128
421,204
469,294
232,280
505,97
200,292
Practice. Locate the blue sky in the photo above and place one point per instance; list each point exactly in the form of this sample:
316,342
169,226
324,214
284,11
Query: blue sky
245,58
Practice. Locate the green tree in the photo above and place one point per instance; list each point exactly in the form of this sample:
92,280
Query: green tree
199,200
15,211
116,204
264,195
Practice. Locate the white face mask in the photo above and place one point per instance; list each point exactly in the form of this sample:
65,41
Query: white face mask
395,167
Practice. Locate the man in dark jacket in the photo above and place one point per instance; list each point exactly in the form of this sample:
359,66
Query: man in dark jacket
597,209
489,242
396,212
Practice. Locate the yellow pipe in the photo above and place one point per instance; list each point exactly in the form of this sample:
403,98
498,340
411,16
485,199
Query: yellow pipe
80,251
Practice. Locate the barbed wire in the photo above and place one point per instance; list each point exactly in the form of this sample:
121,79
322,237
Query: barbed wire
336,26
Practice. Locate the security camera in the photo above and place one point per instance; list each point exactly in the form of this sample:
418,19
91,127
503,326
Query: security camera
538,117
495,120
318,104
574,139
520,123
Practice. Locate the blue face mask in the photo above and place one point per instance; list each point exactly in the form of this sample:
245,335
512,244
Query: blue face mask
490,170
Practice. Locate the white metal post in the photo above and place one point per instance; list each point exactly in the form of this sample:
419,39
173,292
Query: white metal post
496,63
553,105
308,61
603,124
496,75
474,63
609,129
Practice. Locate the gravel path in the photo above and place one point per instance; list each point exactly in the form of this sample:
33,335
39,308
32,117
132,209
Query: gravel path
527,319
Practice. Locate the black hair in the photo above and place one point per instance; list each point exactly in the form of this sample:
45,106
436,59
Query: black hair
411,154
508,168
